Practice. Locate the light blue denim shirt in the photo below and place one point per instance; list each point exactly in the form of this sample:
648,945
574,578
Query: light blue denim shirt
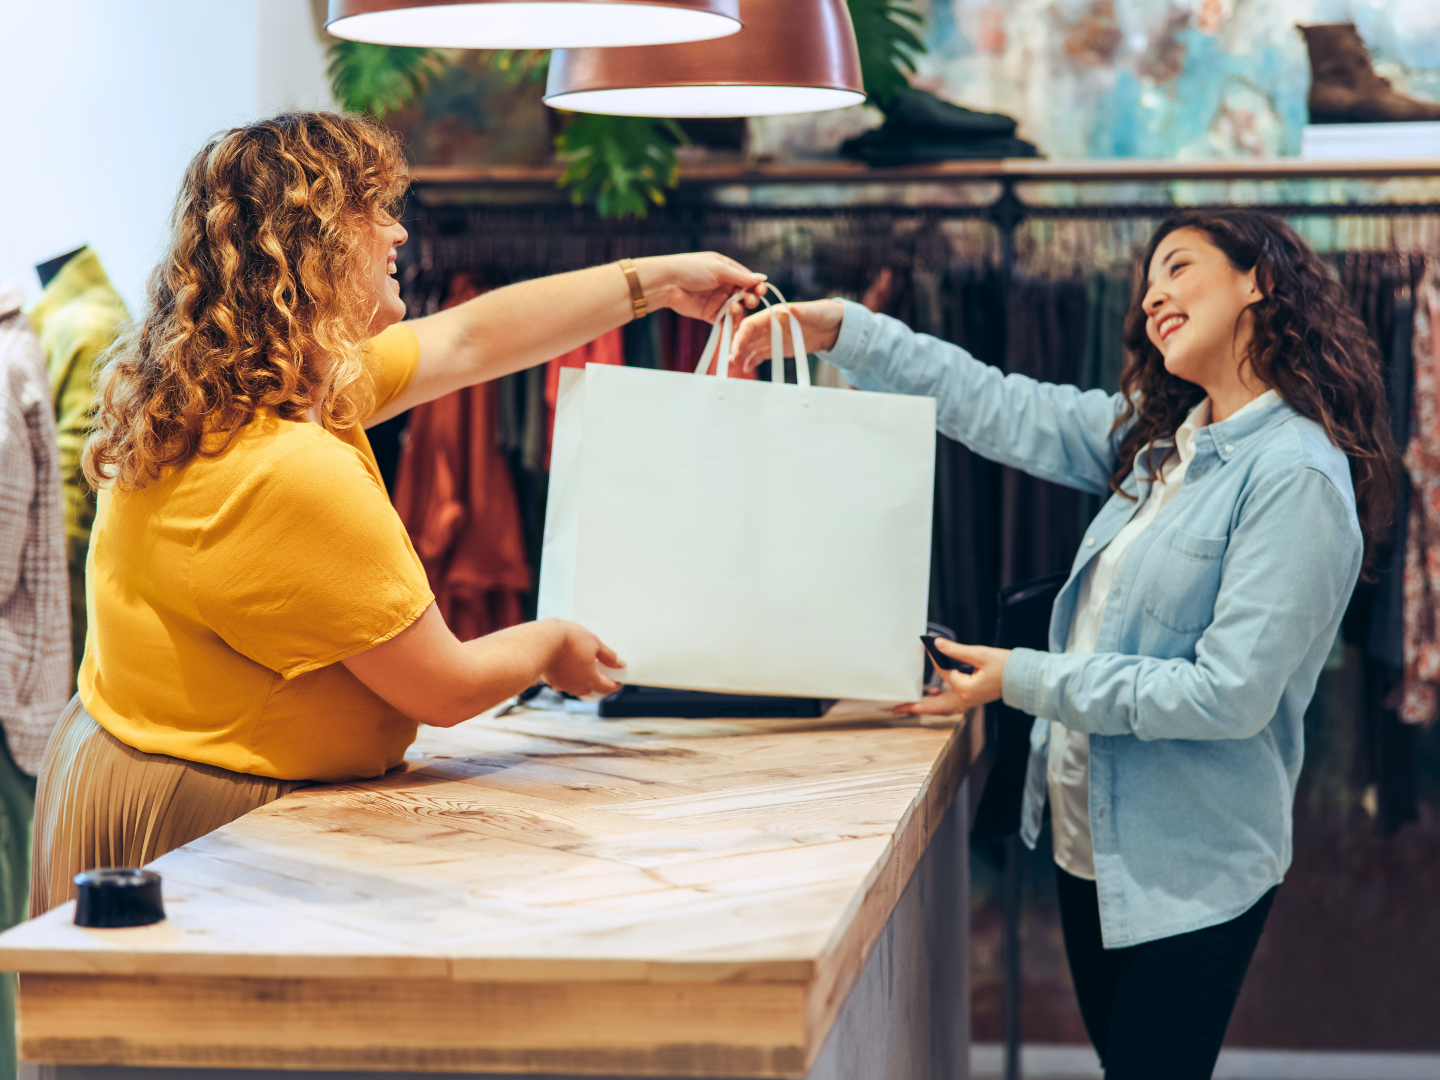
1212,639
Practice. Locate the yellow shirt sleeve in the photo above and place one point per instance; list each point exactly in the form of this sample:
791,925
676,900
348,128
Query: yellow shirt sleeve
307,563
394,356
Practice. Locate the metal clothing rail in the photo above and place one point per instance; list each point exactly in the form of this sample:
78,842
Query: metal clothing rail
529,213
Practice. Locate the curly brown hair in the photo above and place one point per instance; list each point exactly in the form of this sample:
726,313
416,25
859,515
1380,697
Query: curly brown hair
260,300
1307,342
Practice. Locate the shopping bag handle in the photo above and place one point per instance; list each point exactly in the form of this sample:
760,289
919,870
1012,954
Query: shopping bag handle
722,336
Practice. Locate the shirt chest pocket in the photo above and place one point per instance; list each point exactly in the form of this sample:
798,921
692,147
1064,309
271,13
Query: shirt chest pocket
1184,580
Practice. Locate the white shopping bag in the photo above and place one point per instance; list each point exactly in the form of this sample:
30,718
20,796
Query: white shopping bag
734,536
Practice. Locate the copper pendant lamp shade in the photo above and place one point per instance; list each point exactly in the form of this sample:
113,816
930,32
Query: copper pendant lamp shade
531,24
792,56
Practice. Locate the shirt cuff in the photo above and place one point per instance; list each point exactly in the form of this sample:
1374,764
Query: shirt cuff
1021,685
852,346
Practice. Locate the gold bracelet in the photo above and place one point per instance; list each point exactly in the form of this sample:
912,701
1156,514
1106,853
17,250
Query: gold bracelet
638,303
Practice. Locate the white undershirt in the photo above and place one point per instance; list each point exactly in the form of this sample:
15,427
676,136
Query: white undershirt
1067,770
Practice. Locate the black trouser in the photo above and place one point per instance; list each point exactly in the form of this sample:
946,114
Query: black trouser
1157,1010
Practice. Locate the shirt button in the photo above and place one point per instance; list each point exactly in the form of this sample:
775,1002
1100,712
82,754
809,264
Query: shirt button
1089,541
1229,448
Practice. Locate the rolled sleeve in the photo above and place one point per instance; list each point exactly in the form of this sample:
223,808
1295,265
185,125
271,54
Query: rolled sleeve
1023,680
851,351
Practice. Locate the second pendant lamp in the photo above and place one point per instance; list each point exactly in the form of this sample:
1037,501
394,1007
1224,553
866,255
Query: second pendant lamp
791,56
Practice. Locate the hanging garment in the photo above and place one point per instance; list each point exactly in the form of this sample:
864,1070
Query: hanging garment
455,494
521,440
964,307
1040,522
1392,765
968,510
1107,300
78,316
1380,286
687,339
34,623
606,349
1421,701
1385,634
642,343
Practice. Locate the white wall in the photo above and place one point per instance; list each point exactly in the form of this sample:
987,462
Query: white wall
106,101
290,56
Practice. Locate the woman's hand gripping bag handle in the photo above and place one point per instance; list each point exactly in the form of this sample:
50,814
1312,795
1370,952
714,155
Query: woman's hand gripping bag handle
722,336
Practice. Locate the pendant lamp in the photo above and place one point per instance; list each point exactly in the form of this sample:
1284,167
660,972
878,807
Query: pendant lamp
531,24
792,56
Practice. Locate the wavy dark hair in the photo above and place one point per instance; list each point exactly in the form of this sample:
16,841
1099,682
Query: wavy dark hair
1307,342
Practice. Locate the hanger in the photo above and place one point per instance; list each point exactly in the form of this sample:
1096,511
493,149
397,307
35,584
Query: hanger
47,270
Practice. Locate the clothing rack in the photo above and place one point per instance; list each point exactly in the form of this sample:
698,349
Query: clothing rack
461,219
492,202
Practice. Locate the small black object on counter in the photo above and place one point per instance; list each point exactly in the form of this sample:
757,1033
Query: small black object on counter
654,701
118,897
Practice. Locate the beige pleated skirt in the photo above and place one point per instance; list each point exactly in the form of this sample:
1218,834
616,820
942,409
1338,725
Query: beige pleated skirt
101,803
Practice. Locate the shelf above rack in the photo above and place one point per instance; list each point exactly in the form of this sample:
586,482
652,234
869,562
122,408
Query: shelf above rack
1117,170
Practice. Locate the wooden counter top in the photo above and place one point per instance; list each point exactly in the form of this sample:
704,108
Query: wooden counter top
534,892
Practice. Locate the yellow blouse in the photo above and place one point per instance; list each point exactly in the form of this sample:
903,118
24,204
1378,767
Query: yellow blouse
223,595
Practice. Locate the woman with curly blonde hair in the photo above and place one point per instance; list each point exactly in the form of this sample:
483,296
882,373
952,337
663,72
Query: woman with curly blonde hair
258,617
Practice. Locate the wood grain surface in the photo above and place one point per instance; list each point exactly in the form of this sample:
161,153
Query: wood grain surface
534,892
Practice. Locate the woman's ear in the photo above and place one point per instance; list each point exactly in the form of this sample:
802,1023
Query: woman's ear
1259,284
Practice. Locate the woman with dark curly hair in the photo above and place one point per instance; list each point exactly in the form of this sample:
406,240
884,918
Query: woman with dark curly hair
1252,469
258,617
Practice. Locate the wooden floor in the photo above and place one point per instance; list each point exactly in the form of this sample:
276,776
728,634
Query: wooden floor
536,892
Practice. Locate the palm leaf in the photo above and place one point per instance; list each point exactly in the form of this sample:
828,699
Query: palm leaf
888,34
622,164
521,65
380,79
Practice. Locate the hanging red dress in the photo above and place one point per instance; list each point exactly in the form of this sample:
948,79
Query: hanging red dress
456,496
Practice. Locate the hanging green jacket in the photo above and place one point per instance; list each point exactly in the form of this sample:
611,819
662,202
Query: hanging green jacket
77,317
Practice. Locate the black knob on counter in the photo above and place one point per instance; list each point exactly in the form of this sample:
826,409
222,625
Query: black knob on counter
118,897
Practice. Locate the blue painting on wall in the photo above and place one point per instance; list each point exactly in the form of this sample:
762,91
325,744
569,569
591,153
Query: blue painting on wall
1173,79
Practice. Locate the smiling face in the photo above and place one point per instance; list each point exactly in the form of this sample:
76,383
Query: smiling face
1195,307
380,253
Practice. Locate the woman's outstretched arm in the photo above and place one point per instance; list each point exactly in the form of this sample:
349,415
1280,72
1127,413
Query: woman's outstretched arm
528,323
1058,433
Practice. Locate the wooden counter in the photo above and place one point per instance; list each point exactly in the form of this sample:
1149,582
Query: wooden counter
538,893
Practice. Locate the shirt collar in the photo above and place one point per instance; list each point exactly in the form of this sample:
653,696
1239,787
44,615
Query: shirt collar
1185,434
1223,432
1244,422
